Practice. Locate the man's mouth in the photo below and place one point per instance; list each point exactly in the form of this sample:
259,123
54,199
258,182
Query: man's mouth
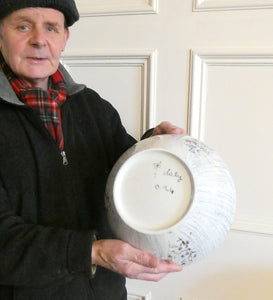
37,58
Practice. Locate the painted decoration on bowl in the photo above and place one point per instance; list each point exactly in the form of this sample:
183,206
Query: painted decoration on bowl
171,195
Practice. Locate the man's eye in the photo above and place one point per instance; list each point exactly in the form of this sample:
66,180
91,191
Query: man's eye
50,29
23,27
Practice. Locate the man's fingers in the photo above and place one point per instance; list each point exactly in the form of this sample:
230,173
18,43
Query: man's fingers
168,128
154,272
146,259
122,258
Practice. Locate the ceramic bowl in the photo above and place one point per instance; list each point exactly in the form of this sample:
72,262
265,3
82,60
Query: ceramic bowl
171,195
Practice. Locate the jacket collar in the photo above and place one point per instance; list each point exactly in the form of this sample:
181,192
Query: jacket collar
7,94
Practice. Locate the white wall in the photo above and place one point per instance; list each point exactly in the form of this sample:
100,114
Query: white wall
206,66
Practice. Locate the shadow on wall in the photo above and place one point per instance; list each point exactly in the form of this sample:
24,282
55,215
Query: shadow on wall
238,285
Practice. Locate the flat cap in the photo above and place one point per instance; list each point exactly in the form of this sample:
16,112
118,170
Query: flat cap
67,7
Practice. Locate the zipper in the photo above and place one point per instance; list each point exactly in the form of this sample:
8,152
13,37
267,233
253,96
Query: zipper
65,160
63,154
91,290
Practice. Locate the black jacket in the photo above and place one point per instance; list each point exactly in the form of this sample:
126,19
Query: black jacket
49,211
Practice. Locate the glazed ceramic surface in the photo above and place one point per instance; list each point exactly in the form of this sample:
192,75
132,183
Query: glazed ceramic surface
171,195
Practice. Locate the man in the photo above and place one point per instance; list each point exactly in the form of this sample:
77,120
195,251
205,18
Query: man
58,142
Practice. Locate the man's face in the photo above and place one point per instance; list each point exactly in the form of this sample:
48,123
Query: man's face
31,41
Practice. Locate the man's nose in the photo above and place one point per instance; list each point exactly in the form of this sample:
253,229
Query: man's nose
38,37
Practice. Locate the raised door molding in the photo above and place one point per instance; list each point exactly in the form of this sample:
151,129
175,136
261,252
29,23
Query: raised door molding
207,5
202,62
138,297
247,224
145,60
116,7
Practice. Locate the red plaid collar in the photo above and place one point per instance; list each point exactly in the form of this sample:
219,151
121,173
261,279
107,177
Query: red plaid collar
46,103
17,85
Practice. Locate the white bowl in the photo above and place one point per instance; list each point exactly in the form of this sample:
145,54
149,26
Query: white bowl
171,195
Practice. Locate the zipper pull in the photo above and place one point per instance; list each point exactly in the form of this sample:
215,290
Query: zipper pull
65,161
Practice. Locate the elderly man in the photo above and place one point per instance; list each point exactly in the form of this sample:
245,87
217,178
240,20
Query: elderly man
58,142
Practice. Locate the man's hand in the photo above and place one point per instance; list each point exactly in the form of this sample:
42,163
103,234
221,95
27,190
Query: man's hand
168,128
133,263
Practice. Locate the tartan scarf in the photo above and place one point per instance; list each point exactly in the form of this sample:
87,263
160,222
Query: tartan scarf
46,103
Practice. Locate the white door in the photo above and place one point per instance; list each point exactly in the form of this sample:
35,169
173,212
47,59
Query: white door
205,65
